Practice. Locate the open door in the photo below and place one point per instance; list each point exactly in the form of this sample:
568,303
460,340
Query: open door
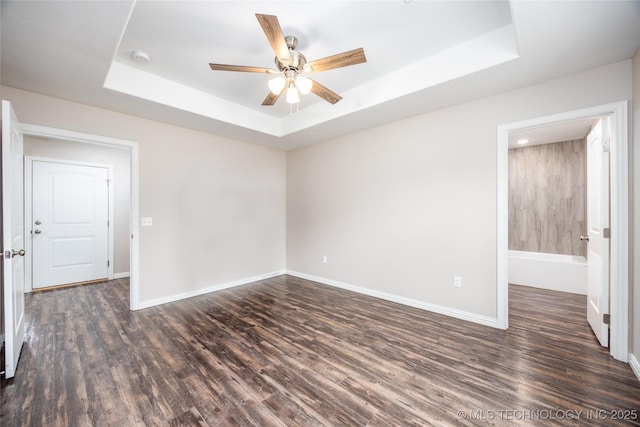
597,238
12,238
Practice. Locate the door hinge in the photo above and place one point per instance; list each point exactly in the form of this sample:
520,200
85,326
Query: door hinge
606,233
108,263
606,318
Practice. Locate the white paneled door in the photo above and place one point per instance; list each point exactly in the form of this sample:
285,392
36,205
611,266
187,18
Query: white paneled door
597,225
12,238
69,223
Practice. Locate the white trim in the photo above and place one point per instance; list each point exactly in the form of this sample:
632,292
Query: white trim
112,225
458,314
69,135
619,224
122,275
619,307
28,279
502,239
635,365
28,190
134,226
132,147
208,289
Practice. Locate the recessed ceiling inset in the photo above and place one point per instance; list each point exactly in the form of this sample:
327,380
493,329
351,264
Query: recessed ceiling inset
433,43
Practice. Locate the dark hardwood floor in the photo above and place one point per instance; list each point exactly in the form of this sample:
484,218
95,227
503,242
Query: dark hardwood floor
286,351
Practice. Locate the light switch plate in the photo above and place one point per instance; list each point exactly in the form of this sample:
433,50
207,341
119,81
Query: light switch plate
146,221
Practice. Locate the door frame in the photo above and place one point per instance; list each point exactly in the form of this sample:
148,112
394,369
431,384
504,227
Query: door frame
134,206
619,217
28,210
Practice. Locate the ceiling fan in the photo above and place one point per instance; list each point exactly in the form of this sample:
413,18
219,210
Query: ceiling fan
291,64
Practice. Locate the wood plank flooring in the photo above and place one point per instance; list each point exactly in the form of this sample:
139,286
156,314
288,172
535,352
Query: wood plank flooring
286,351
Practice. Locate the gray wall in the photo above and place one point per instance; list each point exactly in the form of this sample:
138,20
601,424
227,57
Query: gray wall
218,205
402,208
547,193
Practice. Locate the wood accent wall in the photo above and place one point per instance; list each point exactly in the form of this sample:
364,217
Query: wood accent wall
547,195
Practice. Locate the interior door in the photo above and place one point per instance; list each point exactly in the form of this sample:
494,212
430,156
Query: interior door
12,238
69,230
597,225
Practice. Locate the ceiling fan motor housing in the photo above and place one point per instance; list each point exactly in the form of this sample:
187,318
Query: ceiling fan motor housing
297,59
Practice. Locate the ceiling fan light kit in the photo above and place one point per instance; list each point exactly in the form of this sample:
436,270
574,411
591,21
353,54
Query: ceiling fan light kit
304,84
293,97
277,84
291,63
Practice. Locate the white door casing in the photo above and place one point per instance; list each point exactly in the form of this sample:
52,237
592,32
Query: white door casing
619,284
133,149
597,222
13,238
69,223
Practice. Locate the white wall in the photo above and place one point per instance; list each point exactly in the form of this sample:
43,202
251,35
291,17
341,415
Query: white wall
402,208
95,154
218,205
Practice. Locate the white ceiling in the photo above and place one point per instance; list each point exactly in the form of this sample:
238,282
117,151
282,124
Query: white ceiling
421,56
558,132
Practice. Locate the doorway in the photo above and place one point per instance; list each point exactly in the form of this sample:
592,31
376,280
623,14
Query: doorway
619,221
99,145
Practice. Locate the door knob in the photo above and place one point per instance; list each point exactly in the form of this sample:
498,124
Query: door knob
584,238
15,253
37,231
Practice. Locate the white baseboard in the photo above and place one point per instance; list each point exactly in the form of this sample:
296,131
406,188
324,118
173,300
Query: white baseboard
121,275
458,314
209,289
635,365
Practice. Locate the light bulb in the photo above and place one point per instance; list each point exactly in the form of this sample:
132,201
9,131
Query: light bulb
292,94
303,84
276,85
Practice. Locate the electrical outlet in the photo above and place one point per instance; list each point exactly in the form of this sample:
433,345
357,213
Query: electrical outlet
325,259
457,281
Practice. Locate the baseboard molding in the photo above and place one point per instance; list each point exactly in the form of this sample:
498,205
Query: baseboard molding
209,289
635,365
451,312
124,275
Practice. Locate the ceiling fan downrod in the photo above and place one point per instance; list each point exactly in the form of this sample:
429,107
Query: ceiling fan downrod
297,61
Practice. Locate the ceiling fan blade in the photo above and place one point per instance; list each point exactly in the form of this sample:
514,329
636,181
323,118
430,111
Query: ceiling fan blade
344,59
272,30
325,93
224,67
271,98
